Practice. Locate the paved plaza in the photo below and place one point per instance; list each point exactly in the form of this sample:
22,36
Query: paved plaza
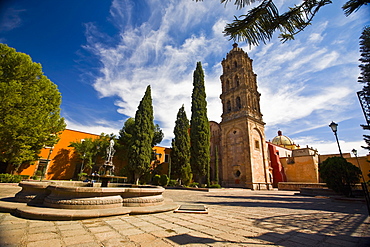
236,217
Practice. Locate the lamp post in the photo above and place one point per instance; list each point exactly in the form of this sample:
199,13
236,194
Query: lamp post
334,128
363,184
354,151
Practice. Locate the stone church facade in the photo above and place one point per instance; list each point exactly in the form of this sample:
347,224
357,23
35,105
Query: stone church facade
239,139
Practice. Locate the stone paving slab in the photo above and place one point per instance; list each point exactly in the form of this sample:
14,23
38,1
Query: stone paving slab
235,218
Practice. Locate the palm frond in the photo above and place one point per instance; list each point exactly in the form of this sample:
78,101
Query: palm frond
258,25
240,3
353,5
261,22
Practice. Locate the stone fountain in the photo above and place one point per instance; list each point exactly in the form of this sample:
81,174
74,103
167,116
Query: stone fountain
107,169
69,200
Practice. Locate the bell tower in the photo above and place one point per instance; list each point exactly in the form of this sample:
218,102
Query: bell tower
244,149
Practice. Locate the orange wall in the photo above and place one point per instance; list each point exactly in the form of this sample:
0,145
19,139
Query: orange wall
161,158
64,162
26,169
364,163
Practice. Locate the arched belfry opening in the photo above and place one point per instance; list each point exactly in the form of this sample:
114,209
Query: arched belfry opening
237,82
238,103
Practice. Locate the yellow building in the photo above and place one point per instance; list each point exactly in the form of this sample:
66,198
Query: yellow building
292,165
363,162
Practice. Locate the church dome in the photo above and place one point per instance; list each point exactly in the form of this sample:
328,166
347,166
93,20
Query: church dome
282,140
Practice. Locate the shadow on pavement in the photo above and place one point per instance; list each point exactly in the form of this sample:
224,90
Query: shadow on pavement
294,238
183,239
298,202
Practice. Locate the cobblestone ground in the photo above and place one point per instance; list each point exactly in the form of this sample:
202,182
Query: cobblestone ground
236,218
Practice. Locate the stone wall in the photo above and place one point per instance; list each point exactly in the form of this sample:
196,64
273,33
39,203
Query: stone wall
298,185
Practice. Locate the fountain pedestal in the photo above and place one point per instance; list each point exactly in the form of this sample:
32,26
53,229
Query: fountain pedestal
105,179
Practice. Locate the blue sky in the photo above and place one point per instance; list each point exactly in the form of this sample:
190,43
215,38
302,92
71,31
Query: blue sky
103,54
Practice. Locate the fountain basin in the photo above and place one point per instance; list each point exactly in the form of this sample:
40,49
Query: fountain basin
77,195
34,192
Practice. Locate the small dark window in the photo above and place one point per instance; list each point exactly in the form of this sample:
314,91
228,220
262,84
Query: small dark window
235,64
237,173
257,144
166,158
228,105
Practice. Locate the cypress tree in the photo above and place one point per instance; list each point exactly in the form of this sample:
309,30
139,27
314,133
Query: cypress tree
141,152
365,75
181,148
199,124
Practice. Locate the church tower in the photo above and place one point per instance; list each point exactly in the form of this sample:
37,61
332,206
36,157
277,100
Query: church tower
243,145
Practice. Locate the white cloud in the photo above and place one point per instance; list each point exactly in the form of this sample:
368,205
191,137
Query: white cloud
315,37
147,55
11,19
96,128
331,147
302,80
289,103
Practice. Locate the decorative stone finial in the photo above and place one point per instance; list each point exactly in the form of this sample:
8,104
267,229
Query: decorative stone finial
235,45
280,133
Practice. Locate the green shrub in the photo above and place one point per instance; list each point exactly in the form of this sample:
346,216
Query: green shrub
215,186
82,176
25,177
163,181
9,178
339,175
173,183
156,179
145,178
194,184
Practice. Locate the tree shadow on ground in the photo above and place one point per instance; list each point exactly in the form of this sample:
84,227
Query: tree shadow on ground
311,228
295,202
184,239
288,239
294,238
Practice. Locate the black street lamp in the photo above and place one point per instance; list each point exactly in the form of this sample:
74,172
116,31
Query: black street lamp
363,184
354,151
334,128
